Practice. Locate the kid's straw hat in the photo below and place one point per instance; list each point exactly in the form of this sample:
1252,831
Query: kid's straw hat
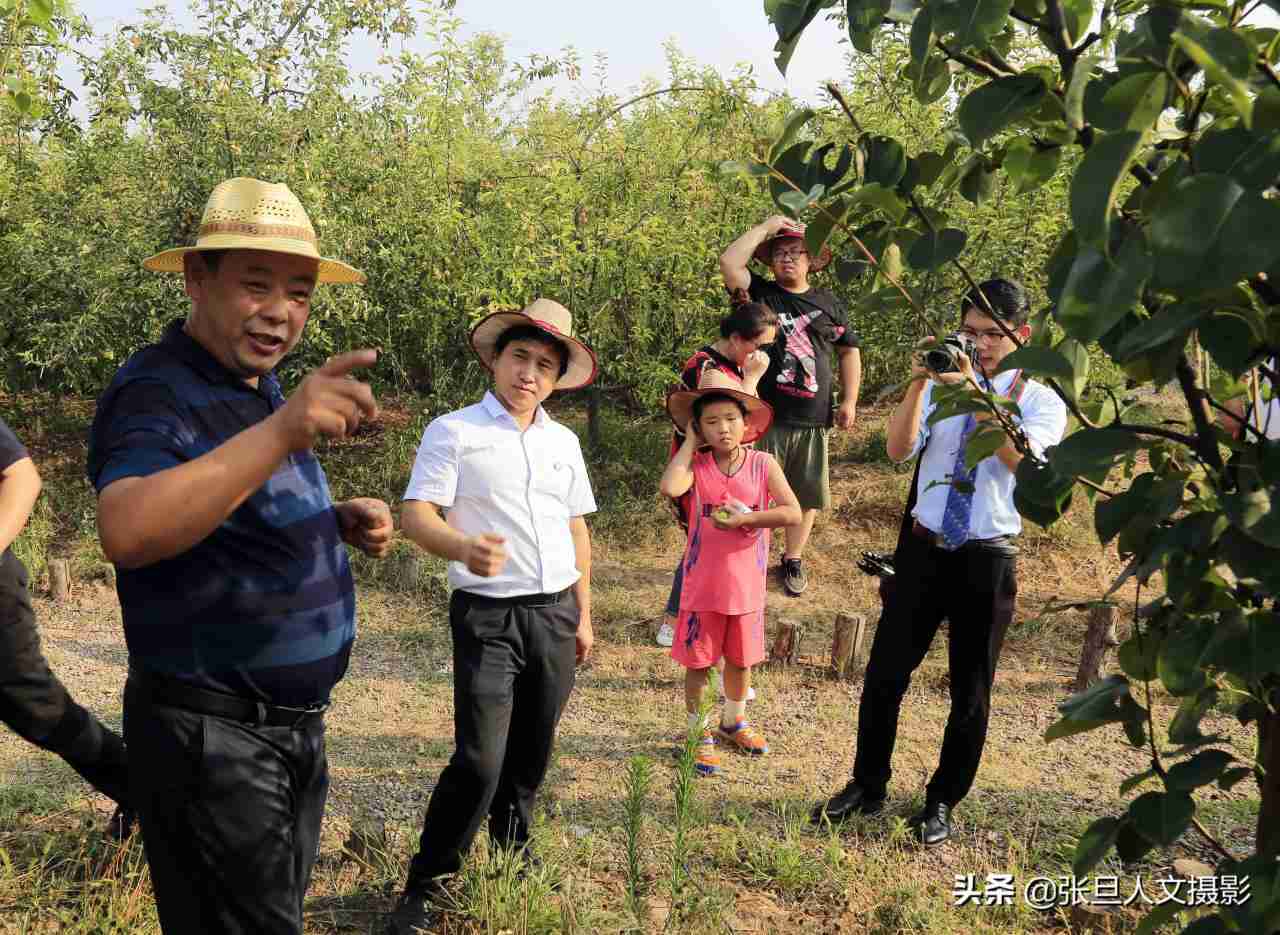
249,214
546,315
759,413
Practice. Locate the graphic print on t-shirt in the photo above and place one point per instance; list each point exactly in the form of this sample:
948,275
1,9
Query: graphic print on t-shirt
798,374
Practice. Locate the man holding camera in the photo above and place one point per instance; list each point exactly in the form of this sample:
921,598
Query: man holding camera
798,384
957,553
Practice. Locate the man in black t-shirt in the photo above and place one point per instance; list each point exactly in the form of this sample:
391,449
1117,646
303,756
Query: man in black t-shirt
798,384
32,700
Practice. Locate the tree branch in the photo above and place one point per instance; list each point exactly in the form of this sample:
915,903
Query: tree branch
1204,444
976,65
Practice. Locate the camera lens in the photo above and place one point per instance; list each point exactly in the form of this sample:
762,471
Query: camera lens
940,360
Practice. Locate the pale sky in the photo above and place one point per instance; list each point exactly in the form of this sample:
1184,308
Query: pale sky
720,33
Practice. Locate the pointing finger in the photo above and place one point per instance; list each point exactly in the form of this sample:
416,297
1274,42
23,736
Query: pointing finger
341,364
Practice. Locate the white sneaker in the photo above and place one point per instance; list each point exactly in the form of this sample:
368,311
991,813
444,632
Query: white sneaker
666,634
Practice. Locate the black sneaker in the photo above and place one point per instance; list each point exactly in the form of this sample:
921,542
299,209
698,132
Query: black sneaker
793,577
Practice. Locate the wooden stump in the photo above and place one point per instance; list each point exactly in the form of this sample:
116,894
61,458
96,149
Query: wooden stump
846,645
59,579
368,839
1099,638
786,645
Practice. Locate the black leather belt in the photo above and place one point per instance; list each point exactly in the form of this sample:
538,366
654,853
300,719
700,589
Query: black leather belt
175,694
997,544
518,600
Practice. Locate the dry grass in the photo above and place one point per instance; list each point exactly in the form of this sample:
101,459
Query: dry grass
756,866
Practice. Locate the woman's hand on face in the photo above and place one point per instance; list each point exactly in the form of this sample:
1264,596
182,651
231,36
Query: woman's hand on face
755,364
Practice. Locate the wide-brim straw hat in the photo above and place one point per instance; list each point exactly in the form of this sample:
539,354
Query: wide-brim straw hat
249,214
764,252
549,316
759,413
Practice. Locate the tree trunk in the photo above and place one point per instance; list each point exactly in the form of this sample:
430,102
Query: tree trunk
1268,829
846,645
59,579
786,645
1099,638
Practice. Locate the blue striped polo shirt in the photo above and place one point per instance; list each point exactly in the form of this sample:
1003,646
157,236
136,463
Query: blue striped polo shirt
264,607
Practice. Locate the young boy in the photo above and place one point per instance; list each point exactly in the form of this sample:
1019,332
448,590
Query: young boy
32,700
727,552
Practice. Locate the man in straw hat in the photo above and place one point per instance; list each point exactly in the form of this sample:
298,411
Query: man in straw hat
236,592
798,383
515,486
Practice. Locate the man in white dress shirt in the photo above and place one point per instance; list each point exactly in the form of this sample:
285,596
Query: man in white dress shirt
955,560
515,488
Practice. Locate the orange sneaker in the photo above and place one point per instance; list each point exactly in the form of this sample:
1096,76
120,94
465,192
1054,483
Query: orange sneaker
706,761
744,738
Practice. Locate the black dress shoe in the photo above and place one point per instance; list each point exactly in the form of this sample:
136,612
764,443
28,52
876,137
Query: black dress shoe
933,825
850,800
417,912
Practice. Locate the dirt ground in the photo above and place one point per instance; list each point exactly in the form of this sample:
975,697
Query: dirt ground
390,733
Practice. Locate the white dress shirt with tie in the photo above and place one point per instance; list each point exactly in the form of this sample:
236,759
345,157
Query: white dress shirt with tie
1044,419
524,486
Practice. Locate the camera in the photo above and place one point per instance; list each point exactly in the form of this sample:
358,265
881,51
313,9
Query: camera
945,358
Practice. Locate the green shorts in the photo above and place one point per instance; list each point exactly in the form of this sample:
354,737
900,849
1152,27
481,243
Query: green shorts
802,452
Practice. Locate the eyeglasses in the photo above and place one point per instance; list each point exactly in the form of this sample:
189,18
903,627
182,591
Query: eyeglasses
790,254
992,334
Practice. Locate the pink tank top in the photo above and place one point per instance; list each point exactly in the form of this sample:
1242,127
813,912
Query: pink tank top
725,569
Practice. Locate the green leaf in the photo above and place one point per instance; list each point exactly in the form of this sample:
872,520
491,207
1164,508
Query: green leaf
935,248
886,160
978,184
1230,341
932,80
1221,53
819,229
986,111
1078,356
1246,645
1251,158
1096,184
1199,770
1212,233
1077,15
1173,322
1073,101
790,127
929,167
789,18
1184,729
1162,817
1092,451
1098,293
40,12
1232,776
1041,494
1038,361
921,38
1094,844
973,22
982,445
865,16
1178,663
881,198
1158,916
1137,656
793,166
1138,99
1029,166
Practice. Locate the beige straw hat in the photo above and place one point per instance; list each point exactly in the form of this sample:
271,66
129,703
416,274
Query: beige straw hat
764,252
759,413
556,321
248,214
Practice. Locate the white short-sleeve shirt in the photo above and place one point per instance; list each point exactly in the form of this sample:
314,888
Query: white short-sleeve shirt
1044,419
491,477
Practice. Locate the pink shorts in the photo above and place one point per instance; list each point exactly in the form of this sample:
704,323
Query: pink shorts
703,636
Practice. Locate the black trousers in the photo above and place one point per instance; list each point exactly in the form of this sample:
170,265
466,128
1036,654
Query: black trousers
36,705
230,815
975,589
513,670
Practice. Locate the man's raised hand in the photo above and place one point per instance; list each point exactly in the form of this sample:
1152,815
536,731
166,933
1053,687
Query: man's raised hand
329,402
486,554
